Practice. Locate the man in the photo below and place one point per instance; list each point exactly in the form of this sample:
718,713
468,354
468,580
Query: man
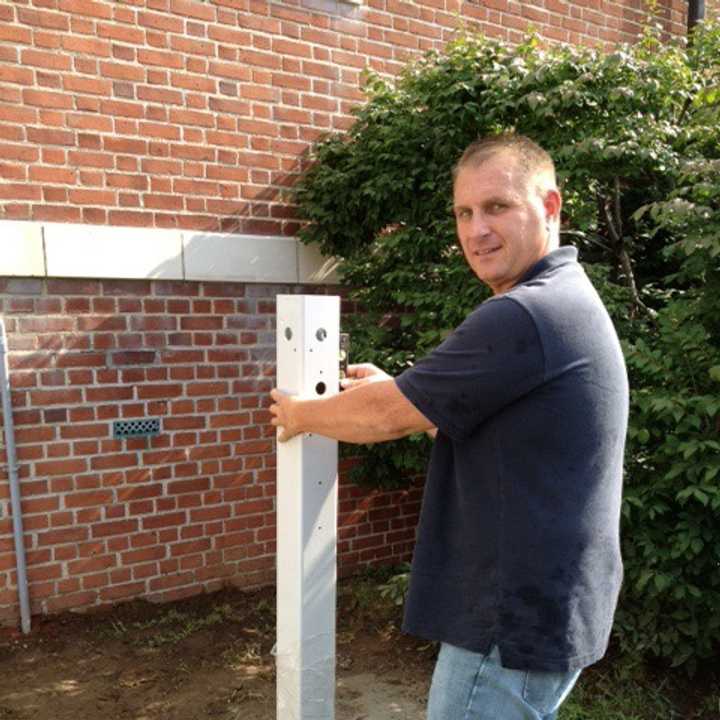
517,566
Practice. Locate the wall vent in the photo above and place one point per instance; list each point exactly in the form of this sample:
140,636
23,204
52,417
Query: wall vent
145,427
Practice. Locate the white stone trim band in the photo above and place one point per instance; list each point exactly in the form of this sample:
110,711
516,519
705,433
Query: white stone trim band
43,249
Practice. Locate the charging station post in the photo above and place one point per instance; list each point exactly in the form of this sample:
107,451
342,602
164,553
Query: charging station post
308,338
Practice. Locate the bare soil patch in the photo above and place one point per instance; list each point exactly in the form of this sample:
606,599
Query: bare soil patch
206,658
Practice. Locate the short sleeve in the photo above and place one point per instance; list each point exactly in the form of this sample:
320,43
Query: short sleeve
491,360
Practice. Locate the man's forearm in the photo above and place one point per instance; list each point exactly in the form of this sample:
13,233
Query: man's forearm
374,412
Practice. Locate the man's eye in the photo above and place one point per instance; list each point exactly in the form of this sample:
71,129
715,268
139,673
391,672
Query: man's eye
462,214
497,207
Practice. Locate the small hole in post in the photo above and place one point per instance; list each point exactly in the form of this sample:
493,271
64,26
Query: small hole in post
320,388
288,333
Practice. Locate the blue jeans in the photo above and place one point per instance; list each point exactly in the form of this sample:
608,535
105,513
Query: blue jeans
471,686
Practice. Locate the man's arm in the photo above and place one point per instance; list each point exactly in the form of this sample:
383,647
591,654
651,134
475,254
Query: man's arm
370,412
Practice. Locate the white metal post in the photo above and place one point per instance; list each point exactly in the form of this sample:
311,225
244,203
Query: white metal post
308,329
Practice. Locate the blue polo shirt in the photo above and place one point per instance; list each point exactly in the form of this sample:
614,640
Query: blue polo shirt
518,542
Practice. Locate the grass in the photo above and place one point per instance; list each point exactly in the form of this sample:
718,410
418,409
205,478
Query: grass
610,696
168,628
625,689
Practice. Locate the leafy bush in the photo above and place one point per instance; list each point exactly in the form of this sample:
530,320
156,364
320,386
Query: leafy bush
635,137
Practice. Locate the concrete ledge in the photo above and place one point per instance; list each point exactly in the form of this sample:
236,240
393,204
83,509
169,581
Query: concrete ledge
237,257
111,252
21,249
39,249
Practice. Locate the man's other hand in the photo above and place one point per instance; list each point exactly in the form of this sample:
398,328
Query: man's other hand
362,374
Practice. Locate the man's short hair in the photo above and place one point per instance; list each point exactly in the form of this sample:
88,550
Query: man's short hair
533,159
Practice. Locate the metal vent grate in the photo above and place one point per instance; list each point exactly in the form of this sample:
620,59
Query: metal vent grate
136,428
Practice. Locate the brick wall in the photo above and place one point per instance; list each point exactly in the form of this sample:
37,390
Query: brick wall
171,515
197,114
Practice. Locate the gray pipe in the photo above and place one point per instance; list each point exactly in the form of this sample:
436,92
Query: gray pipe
20,561
696,13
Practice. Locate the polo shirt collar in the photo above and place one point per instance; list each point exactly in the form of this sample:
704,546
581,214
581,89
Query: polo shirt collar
554,259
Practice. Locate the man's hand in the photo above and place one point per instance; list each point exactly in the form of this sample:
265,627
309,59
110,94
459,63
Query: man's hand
362,374
282,407
372,410
281,411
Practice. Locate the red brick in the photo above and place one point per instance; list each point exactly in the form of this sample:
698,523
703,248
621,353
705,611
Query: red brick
257,506
288,47
118,527
92,564
169,519
86,45
15,34
91,159
109,394
142,556
140,357
209,388
85,431
160,58
210,513
42,18
259,59
58,537
19,152
257,447
229,420
185,486
193,546
191,46
55,397
208,451
147,392
15,74
43,174
120,592
193,9
92,86
107,462
80,360
86,7
170,581
90,499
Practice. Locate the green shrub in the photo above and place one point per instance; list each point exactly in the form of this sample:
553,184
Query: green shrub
635,137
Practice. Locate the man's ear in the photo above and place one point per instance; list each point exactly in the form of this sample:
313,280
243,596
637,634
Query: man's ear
553,204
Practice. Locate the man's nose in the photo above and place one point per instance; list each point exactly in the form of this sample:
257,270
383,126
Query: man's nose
478,226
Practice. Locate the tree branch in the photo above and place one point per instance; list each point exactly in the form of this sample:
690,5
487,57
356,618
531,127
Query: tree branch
612,209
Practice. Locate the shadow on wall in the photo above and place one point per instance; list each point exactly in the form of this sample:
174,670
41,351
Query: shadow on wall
251,241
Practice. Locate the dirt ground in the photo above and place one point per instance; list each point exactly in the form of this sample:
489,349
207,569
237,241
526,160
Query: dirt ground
207,658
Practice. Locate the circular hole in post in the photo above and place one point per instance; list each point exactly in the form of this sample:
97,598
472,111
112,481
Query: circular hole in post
320,388
321,334
288,333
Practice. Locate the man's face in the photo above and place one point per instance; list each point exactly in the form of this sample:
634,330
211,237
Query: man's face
501,218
